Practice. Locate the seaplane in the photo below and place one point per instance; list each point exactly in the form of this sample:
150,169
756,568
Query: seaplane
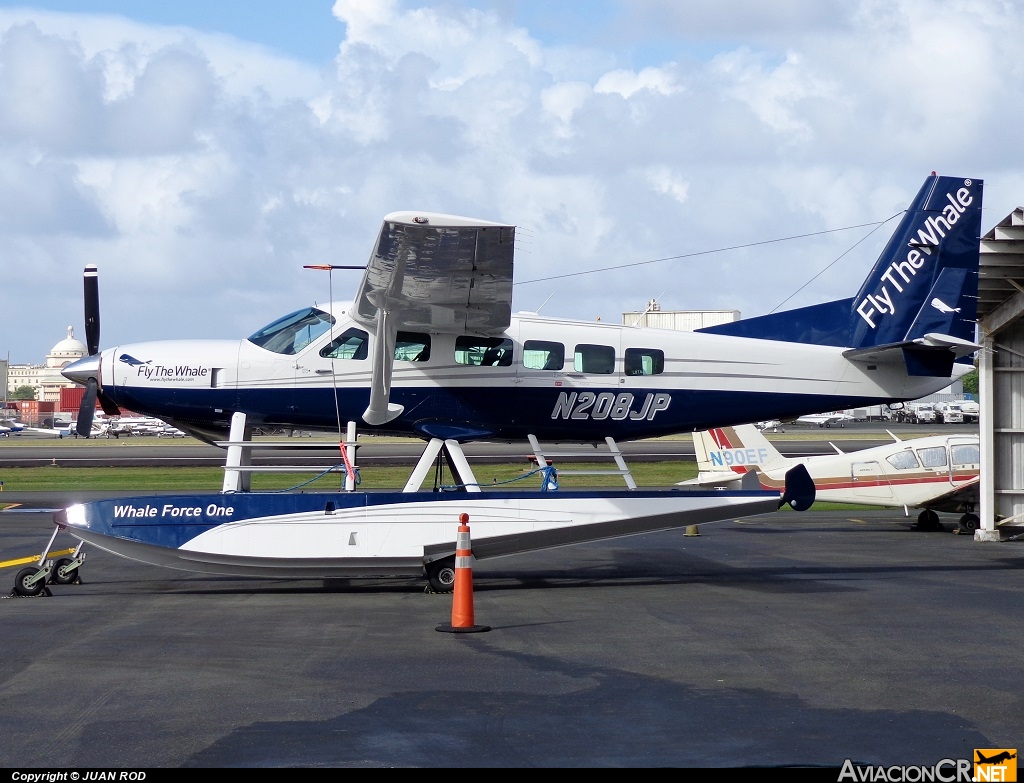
934,473
429,346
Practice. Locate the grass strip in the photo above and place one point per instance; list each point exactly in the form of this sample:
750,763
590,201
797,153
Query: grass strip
648,475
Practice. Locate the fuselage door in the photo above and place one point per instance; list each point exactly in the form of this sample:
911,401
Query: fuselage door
870,480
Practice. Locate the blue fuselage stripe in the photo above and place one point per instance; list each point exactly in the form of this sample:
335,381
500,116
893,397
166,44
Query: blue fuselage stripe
492,411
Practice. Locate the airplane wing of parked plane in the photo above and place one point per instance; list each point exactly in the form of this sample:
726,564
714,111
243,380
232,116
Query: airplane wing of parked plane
60,432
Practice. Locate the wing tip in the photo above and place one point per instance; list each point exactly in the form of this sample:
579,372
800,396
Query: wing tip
440,220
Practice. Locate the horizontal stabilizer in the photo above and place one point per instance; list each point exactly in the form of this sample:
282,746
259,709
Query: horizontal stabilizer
725,479
931,355
719,478
958,346
894,351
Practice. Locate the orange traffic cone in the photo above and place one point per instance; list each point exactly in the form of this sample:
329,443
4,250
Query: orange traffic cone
462,599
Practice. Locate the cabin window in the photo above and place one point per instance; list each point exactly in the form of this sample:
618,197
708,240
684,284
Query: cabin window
352,344
903,460
483,351
542,355
412,347
644,361
597,359
293,332
966,454
933,457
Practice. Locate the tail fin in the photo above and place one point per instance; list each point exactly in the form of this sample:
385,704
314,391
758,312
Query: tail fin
921,296
739,449
926,280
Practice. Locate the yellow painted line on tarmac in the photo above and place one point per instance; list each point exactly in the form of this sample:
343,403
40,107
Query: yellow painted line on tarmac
34,558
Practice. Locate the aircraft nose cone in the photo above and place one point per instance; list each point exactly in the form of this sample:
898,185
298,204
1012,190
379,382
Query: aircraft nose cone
81,371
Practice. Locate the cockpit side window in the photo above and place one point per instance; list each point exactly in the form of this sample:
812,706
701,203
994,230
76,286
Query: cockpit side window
351,344
903,460
483,351
293,332
412,347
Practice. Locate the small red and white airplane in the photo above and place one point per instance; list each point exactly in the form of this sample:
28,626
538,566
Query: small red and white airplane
936,473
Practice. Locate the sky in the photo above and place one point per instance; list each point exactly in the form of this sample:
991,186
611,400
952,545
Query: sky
729,156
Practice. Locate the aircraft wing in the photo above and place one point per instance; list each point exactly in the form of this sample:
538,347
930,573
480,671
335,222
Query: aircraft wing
431,273
439,273
725,479
52,430
967,492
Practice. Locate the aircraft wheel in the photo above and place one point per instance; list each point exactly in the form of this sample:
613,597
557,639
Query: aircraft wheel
928,520
969,523
441,575
22,585
60,575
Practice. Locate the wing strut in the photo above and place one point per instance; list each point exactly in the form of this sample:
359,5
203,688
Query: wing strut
381,410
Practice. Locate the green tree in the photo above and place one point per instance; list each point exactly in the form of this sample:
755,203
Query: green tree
970,382
23,393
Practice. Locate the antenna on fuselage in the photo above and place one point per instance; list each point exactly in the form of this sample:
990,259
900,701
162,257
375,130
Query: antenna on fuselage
544,303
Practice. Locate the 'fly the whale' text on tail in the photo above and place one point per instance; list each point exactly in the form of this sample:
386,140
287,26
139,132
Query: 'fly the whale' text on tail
919,303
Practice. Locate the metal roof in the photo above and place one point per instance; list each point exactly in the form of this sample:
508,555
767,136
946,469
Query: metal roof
1002,263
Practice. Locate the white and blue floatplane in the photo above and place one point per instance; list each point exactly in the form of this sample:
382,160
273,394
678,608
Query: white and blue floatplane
430,347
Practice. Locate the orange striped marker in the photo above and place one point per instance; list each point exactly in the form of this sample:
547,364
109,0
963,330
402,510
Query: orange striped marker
463,620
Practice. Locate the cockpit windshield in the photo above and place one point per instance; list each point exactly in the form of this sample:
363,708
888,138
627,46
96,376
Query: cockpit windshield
293,332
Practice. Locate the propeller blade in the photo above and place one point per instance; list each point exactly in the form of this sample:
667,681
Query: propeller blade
92,310
87,410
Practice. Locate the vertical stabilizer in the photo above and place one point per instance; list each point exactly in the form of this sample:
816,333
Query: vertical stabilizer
926,279
922,290
739,449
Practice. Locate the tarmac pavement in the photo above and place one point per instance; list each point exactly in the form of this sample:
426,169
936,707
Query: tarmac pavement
784,640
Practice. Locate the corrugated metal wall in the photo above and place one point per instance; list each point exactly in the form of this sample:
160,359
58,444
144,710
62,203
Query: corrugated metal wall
681,320
1008,420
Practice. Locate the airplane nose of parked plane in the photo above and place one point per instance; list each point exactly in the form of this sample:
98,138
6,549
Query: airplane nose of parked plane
81,371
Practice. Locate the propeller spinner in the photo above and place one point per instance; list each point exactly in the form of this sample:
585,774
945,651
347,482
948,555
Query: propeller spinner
86,371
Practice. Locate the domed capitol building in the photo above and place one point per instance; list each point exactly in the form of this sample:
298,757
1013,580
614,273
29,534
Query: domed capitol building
46,378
